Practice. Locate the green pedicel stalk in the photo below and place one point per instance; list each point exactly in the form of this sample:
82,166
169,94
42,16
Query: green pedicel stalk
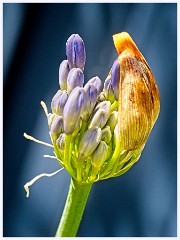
74,208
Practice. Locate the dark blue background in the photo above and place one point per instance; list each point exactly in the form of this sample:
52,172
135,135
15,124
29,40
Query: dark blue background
141,203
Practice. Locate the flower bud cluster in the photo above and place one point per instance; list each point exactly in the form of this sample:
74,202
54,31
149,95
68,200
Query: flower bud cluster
88,122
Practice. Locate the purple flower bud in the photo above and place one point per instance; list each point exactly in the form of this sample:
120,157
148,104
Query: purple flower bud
113,120
106,134
101,114
108,89
89,142
58,102
99,156
73,109
99,119
63,73
50,118
75,52
105,105
75,78
115,78
60,142
96,82
77,127
91,98
56,127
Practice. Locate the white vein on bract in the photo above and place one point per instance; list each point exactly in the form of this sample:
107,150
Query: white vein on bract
28,184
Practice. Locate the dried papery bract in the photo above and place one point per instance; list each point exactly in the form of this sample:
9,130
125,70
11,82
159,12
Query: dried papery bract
139,102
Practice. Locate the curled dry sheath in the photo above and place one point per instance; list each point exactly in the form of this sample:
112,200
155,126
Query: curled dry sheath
139,103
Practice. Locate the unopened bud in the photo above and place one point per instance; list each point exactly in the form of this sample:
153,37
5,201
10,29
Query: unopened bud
101,114
60,142
99,119
106,134
58,102
75,78
115,78
91,98
99,156
75,52
102,97
96,82
113,120
56,127
50,118
73,109
63,73
108,90
89,142
105,105
77,127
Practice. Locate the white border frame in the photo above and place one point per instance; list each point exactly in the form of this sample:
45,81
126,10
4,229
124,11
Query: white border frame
178,115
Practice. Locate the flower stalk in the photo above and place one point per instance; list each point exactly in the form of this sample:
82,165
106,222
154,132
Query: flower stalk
74,208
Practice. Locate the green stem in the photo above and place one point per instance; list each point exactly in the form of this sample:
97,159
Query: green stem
67,154
73,210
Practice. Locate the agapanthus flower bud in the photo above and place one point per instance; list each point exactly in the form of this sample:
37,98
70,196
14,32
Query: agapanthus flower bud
101,114
108,89
96,82
105,105
106,134
77,127
63,73
102,97
75,52
113,120
139,102
91,95
58,102
99,119
50,118
75,78
115,78
89,142
99,156
56,127
60,142
73,109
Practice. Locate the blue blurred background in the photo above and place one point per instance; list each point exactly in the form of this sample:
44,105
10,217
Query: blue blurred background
141,203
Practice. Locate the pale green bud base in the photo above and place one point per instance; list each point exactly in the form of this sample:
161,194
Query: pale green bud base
82,170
